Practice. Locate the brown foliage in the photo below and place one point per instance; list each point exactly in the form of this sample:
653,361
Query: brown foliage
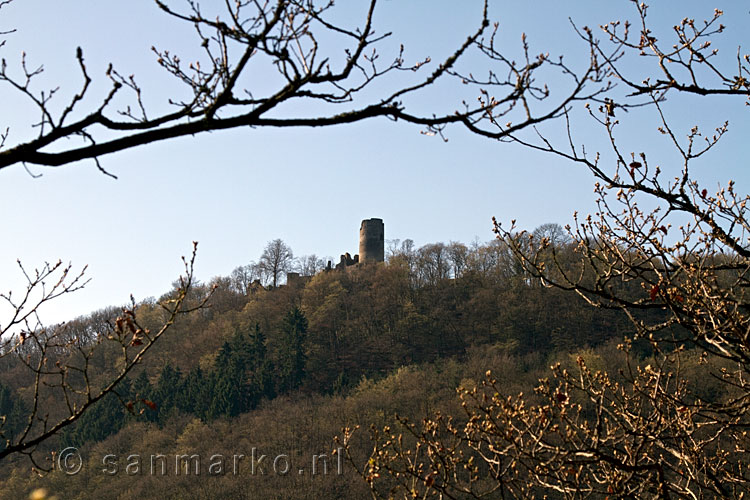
678,270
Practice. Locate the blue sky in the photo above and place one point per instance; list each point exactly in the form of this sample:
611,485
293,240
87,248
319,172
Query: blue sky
235,190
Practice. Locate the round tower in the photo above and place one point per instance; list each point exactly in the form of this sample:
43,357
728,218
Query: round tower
372,241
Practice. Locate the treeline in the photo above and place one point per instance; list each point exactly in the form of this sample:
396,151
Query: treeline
322,334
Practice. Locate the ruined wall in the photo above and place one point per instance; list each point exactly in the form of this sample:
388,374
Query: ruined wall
372,241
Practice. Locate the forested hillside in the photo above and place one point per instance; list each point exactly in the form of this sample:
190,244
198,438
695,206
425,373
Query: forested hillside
607,360
283,369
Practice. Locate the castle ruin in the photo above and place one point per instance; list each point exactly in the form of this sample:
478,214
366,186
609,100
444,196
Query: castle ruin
371,244
372,240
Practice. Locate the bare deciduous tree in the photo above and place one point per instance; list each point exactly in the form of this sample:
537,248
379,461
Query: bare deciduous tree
276,261
243,277
286,37
310,265
63,364
679,271
315,59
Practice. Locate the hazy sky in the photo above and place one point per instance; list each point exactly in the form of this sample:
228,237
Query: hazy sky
235,190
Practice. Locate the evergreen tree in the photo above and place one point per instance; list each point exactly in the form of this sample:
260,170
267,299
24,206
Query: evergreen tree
261,368
291,355
195,397
167,391
106,417
241,348
229,396
12,415
242,375
142,393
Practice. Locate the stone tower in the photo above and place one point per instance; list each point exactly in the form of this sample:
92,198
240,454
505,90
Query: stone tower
372,241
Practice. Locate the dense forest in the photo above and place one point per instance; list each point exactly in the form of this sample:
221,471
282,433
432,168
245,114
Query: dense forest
607,360
283,369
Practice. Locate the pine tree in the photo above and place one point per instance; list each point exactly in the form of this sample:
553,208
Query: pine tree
260,368
12,415
106,417
229,380
142,394
291,355
195,397
168,388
